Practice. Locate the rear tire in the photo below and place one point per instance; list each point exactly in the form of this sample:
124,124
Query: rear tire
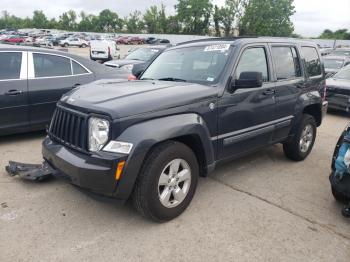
300,146
66,45
167,182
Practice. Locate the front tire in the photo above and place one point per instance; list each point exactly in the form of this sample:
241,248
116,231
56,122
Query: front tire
340,197
167,182
300,146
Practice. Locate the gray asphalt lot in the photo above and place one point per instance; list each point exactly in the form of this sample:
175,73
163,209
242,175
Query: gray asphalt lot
261,207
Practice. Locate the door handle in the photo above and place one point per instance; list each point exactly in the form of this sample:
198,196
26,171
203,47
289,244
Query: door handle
13,92
269,92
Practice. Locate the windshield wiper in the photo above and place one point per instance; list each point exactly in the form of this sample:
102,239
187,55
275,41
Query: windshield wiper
172,79
146,78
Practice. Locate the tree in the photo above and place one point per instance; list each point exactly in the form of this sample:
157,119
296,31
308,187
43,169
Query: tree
134,22
88,23
108,21
341,34
267,18
67,20
217,19
39,19
174,26
151,18
194,15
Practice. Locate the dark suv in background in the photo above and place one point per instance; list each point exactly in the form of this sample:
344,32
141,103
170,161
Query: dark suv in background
197,105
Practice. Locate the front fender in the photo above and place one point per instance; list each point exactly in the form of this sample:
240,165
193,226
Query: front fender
146,134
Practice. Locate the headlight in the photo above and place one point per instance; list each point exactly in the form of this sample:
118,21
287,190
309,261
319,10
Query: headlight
118,147
128,67
98,133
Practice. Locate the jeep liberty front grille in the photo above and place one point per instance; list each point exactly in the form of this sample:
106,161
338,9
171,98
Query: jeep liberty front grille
69,127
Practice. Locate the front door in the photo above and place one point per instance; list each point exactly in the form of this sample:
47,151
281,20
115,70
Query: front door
246,116
13,92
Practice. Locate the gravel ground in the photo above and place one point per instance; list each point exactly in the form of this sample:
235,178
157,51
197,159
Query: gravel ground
262,207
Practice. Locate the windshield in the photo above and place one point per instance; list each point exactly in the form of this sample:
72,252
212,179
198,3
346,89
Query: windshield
341,52
143,54
200,64
333,63
343,74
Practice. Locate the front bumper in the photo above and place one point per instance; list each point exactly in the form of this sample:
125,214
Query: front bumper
339,102
93,172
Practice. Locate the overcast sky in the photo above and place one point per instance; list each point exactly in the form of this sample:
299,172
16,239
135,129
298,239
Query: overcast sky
310,19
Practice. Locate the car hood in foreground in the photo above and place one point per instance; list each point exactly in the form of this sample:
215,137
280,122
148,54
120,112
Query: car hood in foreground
120,98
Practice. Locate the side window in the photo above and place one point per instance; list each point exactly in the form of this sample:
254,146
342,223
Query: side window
78,69
253,60
286,62
51,65
10,65
312,61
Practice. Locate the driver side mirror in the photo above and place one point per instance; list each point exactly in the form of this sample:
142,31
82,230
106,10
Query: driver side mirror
138,69
247,80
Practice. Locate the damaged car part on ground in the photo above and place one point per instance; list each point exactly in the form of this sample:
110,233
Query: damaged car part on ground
199,104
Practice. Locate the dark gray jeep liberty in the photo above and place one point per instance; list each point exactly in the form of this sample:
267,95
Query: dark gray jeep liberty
196,105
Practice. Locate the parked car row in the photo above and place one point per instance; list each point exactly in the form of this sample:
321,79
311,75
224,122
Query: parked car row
336,59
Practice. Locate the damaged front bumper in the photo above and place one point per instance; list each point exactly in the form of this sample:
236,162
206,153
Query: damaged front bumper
30,171
93,172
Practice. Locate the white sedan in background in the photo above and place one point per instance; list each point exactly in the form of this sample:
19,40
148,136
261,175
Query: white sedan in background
74,41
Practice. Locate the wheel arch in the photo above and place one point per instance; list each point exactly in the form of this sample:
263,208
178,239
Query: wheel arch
189,129
315,111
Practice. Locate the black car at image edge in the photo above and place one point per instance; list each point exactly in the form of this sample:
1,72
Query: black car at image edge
197,105
32,80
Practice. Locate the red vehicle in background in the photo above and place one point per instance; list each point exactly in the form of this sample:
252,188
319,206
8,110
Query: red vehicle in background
130,40
14,39
135,40
123,40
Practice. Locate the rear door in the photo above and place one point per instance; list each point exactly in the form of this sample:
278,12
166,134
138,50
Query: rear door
13,92
289,84
51,76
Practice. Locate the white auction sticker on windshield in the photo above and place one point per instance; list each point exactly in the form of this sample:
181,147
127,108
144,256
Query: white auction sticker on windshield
220,47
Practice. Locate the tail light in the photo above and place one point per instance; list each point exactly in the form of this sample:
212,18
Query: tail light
109,51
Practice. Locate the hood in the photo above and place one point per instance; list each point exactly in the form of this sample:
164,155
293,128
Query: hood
120,98
123,62
336,82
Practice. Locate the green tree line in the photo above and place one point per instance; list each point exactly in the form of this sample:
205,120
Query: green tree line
341,34
200,17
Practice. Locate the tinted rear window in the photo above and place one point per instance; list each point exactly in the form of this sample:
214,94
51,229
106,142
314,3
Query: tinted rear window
312,61
51,65
10,65
78,69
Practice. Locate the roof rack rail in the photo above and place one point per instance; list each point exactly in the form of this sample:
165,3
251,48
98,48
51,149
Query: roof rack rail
215,39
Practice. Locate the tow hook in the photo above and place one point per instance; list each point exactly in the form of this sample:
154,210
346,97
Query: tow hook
33,172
